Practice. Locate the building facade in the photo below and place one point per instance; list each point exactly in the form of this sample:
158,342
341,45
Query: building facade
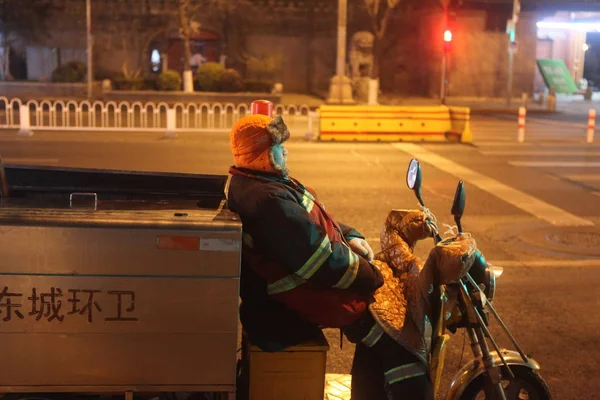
136,36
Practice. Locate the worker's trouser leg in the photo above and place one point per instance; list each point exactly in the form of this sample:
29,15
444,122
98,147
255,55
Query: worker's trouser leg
367,375
383,369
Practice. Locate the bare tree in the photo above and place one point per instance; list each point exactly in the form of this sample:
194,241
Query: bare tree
380,12
187,26
232,19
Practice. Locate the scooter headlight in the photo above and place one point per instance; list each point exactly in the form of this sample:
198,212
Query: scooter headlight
494,273
485,274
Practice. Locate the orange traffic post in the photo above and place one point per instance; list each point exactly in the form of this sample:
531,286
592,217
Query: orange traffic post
264,107
522,114
591,126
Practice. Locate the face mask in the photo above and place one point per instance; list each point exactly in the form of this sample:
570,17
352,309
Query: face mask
280,156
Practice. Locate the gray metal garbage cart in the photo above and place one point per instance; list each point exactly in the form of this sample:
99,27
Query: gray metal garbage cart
117,281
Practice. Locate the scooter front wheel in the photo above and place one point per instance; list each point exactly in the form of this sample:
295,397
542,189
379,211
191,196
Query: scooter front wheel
527,384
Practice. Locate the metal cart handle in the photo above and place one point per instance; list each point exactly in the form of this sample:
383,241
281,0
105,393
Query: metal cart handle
3,182
84,194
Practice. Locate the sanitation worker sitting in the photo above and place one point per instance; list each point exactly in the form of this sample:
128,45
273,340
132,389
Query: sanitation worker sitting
301,269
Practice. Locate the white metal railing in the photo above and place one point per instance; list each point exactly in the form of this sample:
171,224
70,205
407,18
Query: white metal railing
137,116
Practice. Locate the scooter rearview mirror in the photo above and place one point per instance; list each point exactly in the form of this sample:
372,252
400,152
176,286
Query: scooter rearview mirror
458,205
414,178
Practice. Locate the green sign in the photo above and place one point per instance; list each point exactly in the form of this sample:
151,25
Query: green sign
557,76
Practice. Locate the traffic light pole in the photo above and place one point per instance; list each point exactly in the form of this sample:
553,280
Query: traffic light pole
512,32
445,56
444,77
509,81
444,59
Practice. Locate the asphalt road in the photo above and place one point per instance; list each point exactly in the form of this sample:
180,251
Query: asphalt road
534,209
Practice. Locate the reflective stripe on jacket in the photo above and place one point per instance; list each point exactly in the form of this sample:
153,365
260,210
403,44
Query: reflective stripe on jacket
299,250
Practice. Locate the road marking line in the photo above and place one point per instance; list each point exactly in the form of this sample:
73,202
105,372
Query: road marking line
533,128
546,263
562,164
573,143
523,201
537,130
583,177
532,125
532,139
513,143
540,153
556,124
554,177
338,386
28,160
530,263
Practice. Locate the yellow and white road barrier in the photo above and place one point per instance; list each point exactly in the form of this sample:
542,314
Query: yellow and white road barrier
392,124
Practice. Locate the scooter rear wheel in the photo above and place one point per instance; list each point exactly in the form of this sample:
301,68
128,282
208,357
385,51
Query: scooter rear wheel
526,385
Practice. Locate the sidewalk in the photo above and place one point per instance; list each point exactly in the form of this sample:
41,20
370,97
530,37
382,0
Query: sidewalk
479,105
569,104
566,104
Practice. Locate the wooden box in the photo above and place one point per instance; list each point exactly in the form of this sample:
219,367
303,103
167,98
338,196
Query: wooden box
298,373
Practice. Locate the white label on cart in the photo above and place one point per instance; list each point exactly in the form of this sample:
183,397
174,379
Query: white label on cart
212,244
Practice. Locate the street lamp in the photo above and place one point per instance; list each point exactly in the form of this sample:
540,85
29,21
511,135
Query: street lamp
340,90
89,48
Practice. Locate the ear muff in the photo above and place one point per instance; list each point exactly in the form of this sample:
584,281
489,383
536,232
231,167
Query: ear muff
278,130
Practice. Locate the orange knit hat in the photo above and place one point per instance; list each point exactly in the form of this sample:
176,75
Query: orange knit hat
252,139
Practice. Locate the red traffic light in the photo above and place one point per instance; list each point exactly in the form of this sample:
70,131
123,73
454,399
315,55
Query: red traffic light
448,35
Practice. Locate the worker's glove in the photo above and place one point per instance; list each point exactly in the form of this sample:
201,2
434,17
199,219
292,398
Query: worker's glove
453,257
362,248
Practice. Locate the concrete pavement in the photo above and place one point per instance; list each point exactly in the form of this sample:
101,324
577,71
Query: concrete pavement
566,104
